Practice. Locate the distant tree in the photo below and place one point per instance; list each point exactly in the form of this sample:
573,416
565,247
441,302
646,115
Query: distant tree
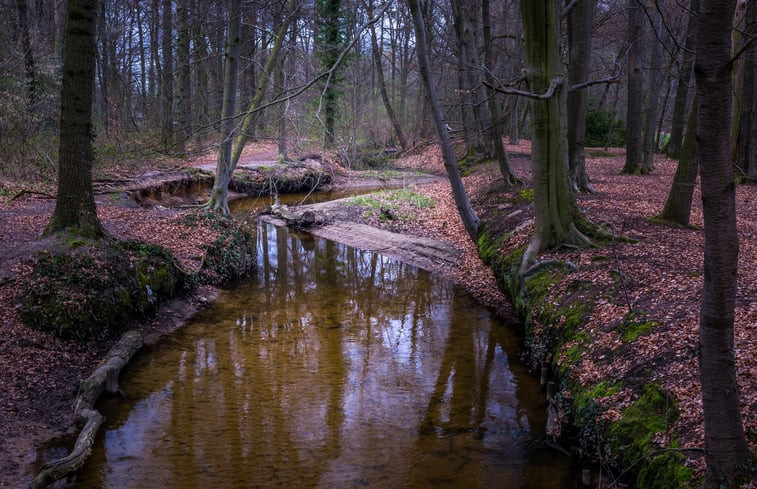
75,204
464,208
727,455
31,77
330,44
167,80
634,122
219,194
580,25
684,80
677,207
184,82
651,100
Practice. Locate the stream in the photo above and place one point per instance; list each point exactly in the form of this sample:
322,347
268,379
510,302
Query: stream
330,368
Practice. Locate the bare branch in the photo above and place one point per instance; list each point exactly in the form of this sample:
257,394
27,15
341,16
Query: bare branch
556,82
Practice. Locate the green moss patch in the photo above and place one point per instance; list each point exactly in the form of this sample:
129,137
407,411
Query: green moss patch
91,288
232,254
635,325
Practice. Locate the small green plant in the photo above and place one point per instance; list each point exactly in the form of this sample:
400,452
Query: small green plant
525,195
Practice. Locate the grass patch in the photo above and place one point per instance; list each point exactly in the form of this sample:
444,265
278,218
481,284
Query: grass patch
388,205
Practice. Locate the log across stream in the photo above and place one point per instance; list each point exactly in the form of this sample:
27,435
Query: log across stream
332,367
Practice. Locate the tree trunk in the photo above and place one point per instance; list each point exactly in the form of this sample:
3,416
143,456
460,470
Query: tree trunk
747,161
167,81
495,122
728,458
557,218
331,27
677,207
653,87
31,77
464,208
219,201
75,205
184,99
684,79
634,120
382,85
580,25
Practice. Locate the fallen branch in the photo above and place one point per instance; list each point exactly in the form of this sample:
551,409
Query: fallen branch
105,377
25,192
57,469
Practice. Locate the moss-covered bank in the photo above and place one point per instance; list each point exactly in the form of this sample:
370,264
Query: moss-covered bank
89,289
554,306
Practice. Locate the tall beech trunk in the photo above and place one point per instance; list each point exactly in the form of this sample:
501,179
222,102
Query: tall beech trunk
684,79
651,100
677,207
580,25
219,195
495,117
464,208
634,119
557,217
75,204
728,458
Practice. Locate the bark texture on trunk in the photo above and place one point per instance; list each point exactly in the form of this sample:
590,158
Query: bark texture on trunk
557,217
75,205
727,455
747,161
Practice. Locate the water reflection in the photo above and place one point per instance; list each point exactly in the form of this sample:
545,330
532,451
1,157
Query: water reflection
333,367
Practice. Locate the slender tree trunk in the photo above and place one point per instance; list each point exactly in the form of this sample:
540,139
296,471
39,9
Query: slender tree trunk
31,77
219,201
677,207
653,88
684,79
156,68
382,84
634,120
331,45
728,458
167,82
580,25
142,61
184,99
75,204
495,122
467,214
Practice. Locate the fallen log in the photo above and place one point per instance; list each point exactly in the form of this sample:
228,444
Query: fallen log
57,469
104,378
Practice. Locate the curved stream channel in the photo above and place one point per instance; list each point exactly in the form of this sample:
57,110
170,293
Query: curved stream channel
332,367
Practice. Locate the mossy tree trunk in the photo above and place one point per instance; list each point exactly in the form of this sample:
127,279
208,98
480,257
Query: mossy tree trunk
726,452
557,217
635,89
677,207
219,194
75,205
464,208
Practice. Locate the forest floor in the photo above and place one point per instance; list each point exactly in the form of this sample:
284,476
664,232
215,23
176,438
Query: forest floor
39,374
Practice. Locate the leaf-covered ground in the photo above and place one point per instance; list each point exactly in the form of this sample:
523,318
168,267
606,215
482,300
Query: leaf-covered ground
662,271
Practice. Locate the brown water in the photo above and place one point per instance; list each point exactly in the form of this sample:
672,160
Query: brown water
332,368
